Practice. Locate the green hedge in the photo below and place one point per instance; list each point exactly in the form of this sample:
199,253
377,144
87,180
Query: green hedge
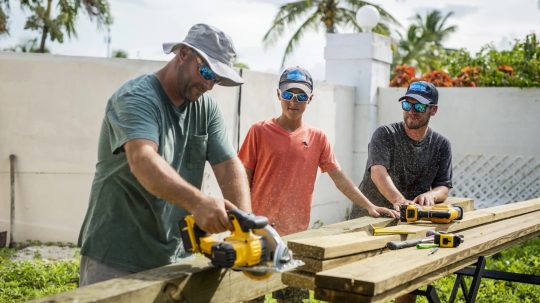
517,67
26,280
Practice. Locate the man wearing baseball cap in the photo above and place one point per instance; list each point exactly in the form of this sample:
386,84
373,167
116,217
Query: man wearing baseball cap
281,157
408,162
158,132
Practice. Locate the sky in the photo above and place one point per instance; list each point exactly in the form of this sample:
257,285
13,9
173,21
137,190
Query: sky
141,26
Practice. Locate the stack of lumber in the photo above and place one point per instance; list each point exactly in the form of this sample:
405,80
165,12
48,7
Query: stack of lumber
345,242
349,267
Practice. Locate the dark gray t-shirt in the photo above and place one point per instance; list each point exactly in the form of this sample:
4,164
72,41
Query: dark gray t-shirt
414,166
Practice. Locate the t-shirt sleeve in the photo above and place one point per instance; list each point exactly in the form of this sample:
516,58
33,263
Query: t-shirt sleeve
219,146
327,160
131,116
444,174
379,149
248,151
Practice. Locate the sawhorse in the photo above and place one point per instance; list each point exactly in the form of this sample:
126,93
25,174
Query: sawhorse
477,271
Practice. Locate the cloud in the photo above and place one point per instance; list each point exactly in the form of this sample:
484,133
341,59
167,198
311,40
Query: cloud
460,11
275,2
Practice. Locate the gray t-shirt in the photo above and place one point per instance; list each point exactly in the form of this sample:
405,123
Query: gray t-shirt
414,166
126,226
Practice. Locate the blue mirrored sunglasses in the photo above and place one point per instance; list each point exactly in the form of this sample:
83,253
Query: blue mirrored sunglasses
206,72
418,107
300,97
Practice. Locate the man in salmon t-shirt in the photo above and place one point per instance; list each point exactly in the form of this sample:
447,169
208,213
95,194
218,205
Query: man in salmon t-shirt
281,157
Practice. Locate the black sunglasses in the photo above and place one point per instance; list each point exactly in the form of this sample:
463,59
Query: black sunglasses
418,107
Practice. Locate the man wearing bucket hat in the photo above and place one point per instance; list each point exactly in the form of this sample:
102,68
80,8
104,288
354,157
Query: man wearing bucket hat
158,132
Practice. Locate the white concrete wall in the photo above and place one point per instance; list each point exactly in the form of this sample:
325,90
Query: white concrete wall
492,121
494,136
51,109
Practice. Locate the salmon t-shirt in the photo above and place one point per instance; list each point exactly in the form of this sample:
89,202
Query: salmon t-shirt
284,168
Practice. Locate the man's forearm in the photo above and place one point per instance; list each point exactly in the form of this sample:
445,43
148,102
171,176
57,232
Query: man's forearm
439,193
385,185
233,182
161,180
345,185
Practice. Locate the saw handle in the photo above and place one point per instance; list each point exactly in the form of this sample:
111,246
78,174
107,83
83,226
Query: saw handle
192,234
246,221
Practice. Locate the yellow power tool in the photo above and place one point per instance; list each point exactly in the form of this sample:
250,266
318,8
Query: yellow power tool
439,213
253,247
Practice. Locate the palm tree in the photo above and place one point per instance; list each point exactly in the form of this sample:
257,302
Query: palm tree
433,26
316,14
54,27
4,9
410,46
422,43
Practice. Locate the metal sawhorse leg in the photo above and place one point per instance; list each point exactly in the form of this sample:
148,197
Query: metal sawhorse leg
478,272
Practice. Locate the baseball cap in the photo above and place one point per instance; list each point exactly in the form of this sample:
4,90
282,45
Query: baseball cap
296,77
215,47
423,92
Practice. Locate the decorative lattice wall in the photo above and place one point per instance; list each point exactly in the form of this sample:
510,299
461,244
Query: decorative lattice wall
496,179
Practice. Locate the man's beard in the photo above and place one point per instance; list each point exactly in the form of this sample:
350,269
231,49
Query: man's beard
416,123
187,92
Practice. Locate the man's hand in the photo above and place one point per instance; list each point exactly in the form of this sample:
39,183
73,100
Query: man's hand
400,202
377,211
426,199
211,214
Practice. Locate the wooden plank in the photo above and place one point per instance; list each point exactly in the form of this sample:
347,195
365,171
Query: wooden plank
466,203
194,281
380,273
332,246
190,281
409,286
315,265
355,225
299,279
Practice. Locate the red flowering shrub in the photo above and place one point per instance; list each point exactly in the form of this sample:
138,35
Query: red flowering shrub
468,77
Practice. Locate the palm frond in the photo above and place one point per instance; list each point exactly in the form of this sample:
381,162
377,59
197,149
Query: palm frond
297,36
287,14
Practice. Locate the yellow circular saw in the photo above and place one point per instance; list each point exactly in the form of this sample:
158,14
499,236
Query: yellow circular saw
254,247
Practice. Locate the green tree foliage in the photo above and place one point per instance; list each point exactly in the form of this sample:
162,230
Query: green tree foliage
422,44
55,19
519,66
119,53
4,9
241,65
317,14
27,46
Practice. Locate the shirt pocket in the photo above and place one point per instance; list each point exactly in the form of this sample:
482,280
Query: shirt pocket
197,149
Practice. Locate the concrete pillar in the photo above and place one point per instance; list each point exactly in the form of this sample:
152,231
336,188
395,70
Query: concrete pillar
361,60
